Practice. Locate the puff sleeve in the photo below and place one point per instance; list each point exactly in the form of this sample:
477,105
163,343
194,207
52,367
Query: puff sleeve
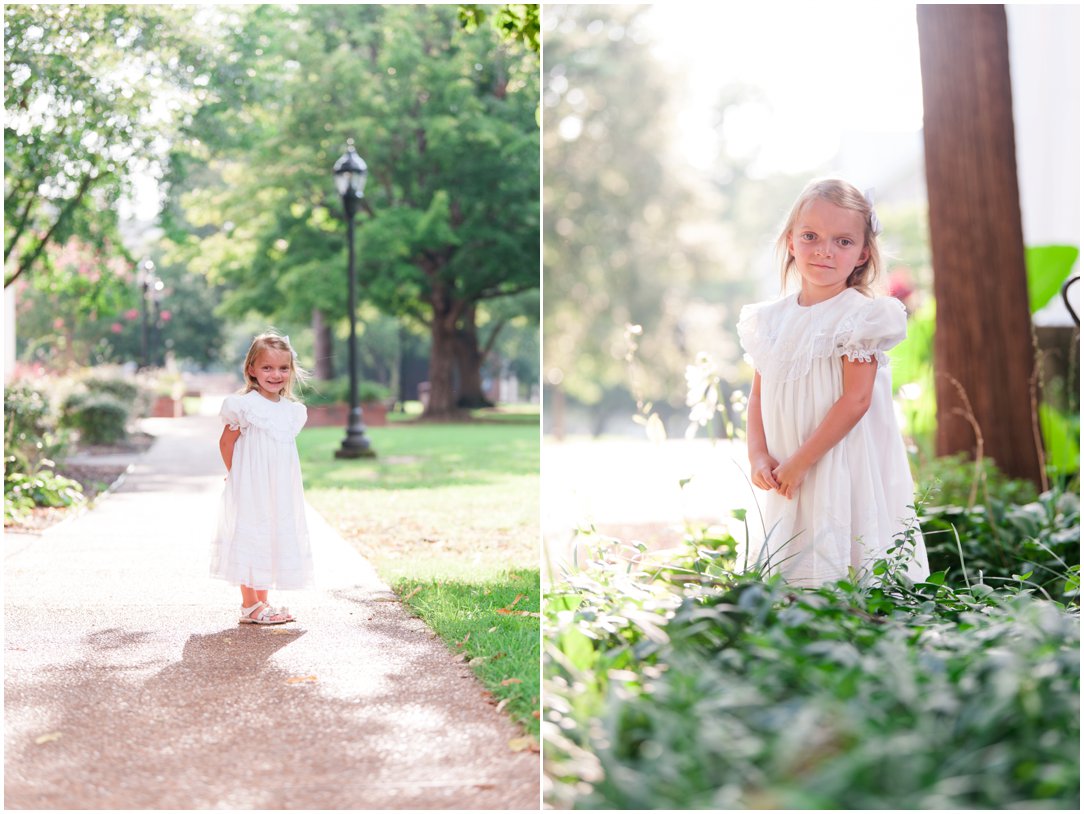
751,333
870,331
299,414
232,413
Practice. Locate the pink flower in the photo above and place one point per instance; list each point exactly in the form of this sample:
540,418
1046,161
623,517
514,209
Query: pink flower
116,327
131,313
899,284
166,316
58,323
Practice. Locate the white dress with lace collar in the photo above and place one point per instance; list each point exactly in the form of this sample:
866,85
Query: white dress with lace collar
262,539
858,499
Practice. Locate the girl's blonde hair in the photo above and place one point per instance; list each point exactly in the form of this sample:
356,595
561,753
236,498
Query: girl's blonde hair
845,195
271,340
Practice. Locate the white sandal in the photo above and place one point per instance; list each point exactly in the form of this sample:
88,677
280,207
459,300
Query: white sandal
263,617
283,611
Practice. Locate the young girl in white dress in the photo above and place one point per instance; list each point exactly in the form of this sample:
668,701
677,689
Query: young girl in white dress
262,540
822,433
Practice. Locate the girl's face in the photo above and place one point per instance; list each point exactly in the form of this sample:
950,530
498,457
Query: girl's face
271,369
827,242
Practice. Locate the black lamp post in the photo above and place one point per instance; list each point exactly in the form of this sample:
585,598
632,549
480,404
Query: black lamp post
350,175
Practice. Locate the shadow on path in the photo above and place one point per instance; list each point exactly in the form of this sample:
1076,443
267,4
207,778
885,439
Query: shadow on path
123,690
228,726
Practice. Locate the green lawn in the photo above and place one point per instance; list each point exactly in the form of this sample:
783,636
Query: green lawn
449,516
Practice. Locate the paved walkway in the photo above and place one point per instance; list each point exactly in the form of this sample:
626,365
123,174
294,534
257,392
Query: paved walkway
129,683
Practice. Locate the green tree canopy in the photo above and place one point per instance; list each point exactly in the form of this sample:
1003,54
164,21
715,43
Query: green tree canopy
515,21
614,252
90,92
445,120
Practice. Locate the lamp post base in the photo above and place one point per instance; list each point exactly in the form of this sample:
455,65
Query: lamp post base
355,445
346,451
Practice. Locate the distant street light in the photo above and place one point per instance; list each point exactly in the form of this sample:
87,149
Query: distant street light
156,322
146,280
350,175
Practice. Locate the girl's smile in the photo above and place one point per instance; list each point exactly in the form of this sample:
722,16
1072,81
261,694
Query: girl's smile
271,370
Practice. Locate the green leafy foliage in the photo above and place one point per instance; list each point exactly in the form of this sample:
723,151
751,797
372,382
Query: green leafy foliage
1061,439
998,541
980,525
955,480
682,684
80,89
72,308
27,420
31,441
913,378
1048,267
24,492
32,438
515,21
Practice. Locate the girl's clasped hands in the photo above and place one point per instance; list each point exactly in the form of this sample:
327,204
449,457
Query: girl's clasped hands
784,478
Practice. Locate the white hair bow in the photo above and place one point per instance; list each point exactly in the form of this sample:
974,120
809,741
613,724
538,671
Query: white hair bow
286,339
874,222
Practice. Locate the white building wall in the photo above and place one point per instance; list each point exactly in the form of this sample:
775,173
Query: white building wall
1044,59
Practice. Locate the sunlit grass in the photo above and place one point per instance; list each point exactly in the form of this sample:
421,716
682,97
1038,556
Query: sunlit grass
494,624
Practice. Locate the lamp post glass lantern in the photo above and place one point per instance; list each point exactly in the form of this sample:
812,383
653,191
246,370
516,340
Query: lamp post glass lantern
350,174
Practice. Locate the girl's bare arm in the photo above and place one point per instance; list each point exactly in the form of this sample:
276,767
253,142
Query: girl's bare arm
225,445
761,463
858,378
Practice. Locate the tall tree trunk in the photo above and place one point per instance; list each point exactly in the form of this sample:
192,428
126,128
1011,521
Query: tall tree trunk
983,333
442,363
442,393
323,348
469,357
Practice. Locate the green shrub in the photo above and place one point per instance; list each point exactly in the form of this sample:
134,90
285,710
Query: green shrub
956,480
999,541
681,684
337,391
123,391
983,525
99,417
23,492
26,412
137,395
30,432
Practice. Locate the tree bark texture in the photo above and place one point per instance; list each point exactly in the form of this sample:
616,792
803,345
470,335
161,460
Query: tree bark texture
983,335
442,357
469,357
442,365
323,348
